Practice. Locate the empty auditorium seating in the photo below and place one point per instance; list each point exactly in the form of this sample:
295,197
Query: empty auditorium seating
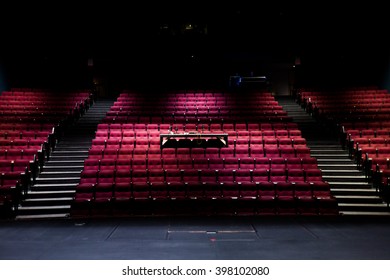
256,174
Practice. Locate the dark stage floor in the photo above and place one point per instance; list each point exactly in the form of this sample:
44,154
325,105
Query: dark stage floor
203,238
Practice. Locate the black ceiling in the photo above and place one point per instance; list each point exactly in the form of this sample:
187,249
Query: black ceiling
150,35
104,29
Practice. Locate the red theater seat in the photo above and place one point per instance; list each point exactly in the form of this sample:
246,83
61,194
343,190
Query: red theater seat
266,202
107,164
216,163
208,176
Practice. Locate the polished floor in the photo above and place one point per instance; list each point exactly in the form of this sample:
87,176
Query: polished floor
198,238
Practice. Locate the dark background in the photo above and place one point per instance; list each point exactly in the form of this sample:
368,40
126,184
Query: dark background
148,46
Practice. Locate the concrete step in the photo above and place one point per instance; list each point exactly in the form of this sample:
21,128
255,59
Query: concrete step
74,141
326,151
335,178
312,137
358,199
51,194
47,201
58,174
64,162
330,156
377,207
84,133
45,209
84,130
85,124
43,216
58,168
56,157
338,167
364,213
346,185
354,191
54,187
70,152
72,148
335,146
325,160
59,180
340,172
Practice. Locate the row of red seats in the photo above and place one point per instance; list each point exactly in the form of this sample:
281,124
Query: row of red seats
237,141
186,95
371,133
192,107
360,125
189,129
329,105
193,110
202,126
126,115
160,175
23,127
98,164
25,134
185,120
17,153
167,116
17,165
358,93
264,198
287,152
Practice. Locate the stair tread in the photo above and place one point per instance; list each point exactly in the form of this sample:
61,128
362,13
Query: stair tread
379,205
57,166
326,148
74,142
357,196
350,183
65,161
343,176
49,199
58,172
42,216
44,207
340,171
57,185
325,154
369,190
51,192
57,178
365,213
67,156
74,153
335,159
334,165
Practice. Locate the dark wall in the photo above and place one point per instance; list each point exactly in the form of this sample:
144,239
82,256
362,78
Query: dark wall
148,47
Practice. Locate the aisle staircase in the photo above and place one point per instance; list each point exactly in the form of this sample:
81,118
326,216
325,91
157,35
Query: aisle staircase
54,189
354,194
